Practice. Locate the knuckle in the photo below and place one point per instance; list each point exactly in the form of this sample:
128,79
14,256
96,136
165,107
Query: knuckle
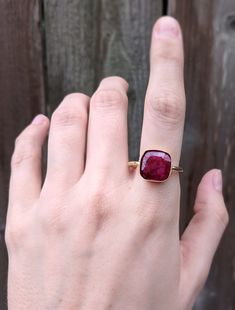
167,54
152,216
25,150
215,210
54,219
108,98
69,115
146,219
24,136
169,51
98,206
168,108
18,158
16,234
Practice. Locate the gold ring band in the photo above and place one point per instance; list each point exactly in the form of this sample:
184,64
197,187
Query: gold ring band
135,164
155,165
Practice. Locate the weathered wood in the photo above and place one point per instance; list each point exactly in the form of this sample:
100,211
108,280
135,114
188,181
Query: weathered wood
22,93
89,39
209,33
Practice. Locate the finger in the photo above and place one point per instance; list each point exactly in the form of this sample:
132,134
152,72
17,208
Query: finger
165,98
201,238
107,130
25,182
67,140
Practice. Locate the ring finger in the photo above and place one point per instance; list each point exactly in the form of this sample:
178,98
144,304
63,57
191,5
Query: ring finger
165,98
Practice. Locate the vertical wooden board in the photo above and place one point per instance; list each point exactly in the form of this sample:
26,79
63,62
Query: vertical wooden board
22,93
87,40
209,34
223,138
71,29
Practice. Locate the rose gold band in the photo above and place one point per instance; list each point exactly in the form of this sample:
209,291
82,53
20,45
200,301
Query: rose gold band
135,164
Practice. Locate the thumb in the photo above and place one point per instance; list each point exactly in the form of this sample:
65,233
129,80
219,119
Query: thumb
202,236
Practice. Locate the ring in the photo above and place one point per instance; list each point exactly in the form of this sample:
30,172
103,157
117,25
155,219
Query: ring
155,166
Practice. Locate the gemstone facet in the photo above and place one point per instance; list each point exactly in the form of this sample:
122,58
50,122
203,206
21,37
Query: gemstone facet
155,165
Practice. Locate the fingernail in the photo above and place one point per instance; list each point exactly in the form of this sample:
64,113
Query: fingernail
167,26
38,120
218,180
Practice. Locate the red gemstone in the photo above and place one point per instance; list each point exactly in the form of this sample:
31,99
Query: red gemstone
155,165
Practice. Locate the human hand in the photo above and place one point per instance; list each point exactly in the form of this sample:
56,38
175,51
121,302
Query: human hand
97,235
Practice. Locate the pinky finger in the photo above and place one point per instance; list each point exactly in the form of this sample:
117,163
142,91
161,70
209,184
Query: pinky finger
25,181
202,236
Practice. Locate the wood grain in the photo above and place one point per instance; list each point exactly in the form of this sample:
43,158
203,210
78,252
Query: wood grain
209,34
22,93
87,40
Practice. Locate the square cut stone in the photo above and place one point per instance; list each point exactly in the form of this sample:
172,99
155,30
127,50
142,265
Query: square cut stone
155,165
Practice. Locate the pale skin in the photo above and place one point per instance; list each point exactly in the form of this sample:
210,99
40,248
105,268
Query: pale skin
95,234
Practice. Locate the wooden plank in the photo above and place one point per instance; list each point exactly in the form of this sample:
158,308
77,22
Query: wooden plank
87,40
22,93
209,33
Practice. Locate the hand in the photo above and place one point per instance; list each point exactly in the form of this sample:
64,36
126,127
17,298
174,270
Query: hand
97,235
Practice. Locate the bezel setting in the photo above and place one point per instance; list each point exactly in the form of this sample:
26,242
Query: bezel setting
155,165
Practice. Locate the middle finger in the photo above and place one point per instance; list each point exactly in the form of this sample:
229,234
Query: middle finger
107,148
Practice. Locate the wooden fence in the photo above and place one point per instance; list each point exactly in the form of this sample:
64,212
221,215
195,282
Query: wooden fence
49,48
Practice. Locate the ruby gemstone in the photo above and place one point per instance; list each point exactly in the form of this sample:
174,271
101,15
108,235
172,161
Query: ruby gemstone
155,165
